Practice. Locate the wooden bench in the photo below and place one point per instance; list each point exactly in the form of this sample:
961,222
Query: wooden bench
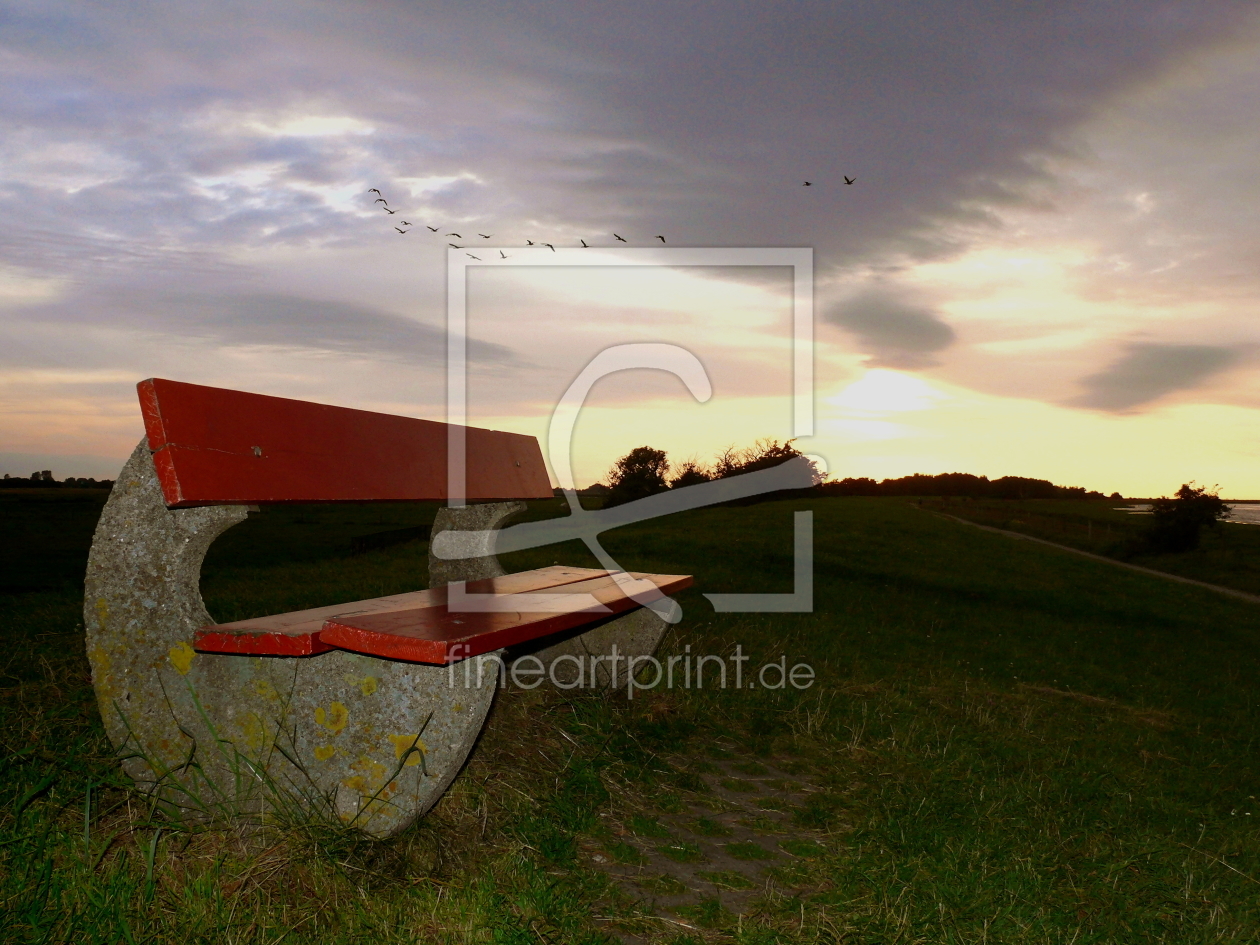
355,709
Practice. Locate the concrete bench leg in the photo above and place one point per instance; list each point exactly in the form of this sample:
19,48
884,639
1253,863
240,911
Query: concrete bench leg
372,742
568,661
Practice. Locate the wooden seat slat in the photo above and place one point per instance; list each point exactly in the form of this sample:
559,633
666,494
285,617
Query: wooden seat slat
438,635
297,633
213,446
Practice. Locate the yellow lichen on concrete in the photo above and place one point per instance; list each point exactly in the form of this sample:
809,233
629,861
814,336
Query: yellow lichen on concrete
102,612
370,780
265,689
181,657
334,719
404,744
324,752
98,657
366,684
255,730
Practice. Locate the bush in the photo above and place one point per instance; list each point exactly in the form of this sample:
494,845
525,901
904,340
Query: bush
690,473
1179,520
637,475
643,471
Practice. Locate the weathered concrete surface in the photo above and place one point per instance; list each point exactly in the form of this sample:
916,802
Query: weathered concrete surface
635,634
373,742
470,518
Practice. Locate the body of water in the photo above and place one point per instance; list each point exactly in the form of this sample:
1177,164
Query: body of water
1238,513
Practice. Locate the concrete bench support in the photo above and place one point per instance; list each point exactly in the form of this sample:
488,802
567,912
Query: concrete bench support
376,742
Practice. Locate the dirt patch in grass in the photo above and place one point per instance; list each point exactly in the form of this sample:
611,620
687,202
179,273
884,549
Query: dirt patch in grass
705,859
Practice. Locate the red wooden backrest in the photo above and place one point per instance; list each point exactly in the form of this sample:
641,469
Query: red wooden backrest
225,447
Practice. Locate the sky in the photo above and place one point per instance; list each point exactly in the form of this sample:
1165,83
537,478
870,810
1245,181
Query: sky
1048,264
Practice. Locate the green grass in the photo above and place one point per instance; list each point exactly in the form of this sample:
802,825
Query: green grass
46,535
746,850
1229,554
1011,744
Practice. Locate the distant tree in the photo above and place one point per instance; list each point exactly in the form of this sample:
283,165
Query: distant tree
764,454
1020,487
637,475
1179,520
690,473
851,486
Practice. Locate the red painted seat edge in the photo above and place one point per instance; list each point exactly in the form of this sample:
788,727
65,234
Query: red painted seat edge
386,645
215,446
208,640
235,640
335,634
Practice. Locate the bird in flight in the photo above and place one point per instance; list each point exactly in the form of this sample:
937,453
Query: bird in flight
623,239
485,236
431,229
583,242
456,235
400,229
387,210
529,242
550,247
849,180
503,254
808,183
380,200
471,256
661,238
405,223
453,246
373,190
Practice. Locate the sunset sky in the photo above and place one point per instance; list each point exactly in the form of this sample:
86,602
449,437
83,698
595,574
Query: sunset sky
1048,264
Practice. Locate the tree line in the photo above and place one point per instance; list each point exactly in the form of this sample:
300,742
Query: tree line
962,485
645,471
44,480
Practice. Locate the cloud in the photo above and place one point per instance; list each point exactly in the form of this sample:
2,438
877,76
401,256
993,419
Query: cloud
160,162
1147,372
277,320
564,119
895,331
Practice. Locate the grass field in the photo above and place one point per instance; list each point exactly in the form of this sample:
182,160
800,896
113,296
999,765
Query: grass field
1229,554
1005,743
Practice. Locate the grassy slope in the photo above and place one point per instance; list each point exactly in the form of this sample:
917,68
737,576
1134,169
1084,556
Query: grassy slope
1229,554
1017,745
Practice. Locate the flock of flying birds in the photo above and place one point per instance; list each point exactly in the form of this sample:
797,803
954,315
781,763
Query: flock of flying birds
380,198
